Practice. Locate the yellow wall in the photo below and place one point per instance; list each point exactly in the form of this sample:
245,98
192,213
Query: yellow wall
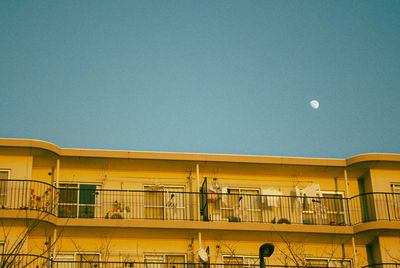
19,163
137,243
11,233
389,248
124,174
383,178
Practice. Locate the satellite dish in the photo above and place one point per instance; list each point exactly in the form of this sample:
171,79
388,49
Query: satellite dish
202,255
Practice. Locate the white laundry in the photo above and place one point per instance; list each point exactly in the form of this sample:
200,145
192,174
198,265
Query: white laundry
271,197
298,194
224,194
310,191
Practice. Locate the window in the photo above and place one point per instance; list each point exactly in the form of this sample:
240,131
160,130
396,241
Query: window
78,260
241,261
396,188
325,262
88,260
326,208
64,260
396,191
4,177
317,262
240,204
396,201
164,202
79,200
165,261
333,203
127,261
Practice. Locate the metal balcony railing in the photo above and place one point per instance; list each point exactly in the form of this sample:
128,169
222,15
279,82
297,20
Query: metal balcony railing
30,260
383,265
158,203
374,207
28,195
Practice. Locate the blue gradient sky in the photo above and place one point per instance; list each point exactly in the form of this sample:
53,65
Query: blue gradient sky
231,77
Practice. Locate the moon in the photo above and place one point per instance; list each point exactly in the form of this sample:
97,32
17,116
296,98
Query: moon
314,104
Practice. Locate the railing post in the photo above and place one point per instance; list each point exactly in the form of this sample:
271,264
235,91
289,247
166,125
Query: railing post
387,206
348,212
346,184
198,191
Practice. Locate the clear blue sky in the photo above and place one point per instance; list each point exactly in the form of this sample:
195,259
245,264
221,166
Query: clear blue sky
232,77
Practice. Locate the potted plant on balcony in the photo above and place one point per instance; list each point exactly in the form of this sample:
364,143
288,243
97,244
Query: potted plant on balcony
119,211
45,201
127,212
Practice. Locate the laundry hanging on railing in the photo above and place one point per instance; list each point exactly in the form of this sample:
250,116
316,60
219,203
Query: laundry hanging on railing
224,195
271,197
171,203
213,191
311,190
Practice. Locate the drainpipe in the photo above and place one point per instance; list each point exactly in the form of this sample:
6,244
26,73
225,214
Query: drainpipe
54,242
199,239
353,241
346,183
198,190
57,184
57,172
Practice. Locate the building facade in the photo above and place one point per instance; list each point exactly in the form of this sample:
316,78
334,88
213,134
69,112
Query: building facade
102,208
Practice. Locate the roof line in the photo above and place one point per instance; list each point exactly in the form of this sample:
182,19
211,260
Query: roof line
197,157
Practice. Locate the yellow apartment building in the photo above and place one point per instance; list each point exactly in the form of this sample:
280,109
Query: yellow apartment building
101,208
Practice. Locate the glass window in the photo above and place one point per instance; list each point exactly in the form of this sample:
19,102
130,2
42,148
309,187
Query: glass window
340,263
251,262
325,262
64,260
164,202
86,260
240,204
334,208
395,203
233,262
68,200
165,261
78,200
175,261
153,258
4,176
396,189
317,262
326,208
87,200
241,261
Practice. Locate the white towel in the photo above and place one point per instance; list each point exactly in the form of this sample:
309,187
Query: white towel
271,199
310,191
299,196
224,193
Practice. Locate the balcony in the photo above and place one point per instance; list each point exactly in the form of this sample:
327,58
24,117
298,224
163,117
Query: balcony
30,260
161,203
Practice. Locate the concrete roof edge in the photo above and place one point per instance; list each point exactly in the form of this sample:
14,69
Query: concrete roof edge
372,157
198,157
